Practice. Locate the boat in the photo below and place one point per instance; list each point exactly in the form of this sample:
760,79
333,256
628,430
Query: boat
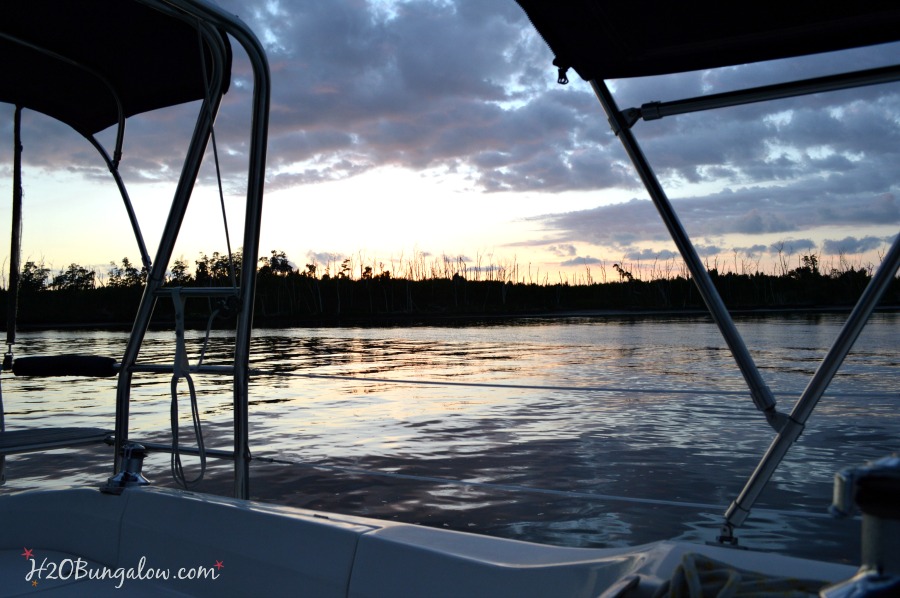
92,64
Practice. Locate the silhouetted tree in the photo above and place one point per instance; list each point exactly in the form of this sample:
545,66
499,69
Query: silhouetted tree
34,277
74,278
345,269
623,273
127,275
180,275
216,270
278,264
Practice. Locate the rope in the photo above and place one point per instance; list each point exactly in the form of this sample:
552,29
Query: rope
694,391
212,137
177,466
181,369
209,324
609,389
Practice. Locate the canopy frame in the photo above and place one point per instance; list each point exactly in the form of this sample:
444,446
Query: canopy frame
603,41
194,28
788,427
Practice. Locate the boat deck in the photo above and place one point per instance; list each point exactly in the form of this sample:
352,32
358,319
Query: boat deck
202,545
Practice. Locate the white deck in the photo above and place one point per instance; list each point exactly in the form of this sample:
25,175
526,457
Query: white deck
282,551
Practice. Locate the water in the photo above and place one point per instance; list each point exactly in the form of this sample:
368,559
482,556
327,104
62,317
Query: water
540,458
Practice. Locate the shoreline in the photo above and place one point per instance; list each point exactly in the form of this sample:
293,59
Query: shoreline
439,319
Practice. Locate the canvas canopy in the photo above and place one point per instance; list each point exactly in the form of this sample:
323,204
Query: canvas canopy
610,40
142,62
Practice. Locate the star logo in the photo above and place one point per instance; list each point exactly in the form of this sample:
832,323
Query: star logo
34,584
219,565
28,554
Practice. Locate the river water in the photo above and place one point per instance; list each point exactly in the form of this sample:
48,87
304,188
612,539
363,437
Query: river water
568,431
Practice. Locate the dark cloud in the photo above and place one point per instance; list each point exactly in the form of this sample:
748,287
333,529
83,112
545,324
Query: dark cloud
563,250
752,250
852,245
650,255
785,209
467,86
581,261
791,246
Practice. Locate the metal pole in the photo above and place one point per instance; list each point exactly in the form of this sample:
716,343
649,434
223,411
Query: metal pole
123,192
15,245
12,296
762,396
739,510
765,93
156,275
252,222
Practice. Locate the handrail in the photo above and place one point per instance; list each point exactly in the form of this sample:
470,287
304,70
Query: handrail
211,20
156,275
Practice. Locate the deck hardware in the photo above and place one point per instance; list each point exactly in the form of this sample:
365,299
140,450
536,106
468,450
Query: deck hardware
130,475
873,489
649,111
630,116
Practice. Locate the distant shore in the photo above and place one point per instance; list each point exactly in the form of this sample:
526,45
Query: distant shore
421,319
300,299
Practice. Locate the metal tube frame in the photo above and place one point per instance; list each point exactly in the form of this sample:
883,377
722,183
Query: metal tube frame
15,249
123,192
764,93
252,223
156,274
760,392
211,20
739,509
790,427
112,163
120,131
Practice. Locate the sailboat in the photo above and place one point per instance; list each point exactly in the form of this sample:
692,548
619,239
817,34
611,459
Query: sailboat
92,64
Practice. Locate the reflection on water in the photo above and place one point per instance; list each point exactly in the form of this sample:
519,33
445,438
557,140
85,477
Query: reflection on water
464,457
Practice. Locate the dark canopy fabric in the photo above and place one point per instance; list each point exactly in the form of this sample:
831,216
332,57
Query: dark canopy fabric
601,39
151,60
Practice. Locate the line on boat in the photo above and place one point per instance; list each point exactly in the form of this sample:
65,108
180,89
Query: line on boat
526,386
611,389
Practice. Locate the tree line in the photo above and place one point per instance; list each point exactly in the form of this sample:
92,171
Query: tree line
343,290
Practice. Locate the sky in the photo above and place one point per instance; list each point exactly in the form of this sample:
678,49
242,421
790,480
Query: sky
428,131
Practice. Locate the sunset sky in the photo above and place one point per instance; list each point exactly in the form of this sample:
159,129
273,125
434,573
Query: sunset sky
436,127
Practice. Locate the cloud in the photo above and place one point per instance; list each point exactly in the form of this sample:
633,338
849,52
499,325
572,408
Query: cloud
650,255
567,250
752,250
467,86
582,261
791,245
786,208
324,257
852,245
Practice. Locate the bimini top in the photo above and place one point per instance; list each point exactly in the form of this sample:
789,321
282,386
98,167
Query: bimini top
70,60
601,39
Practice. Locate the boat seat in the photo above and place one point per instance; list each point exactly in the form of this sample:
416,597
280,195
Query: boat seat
41,439
65,365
